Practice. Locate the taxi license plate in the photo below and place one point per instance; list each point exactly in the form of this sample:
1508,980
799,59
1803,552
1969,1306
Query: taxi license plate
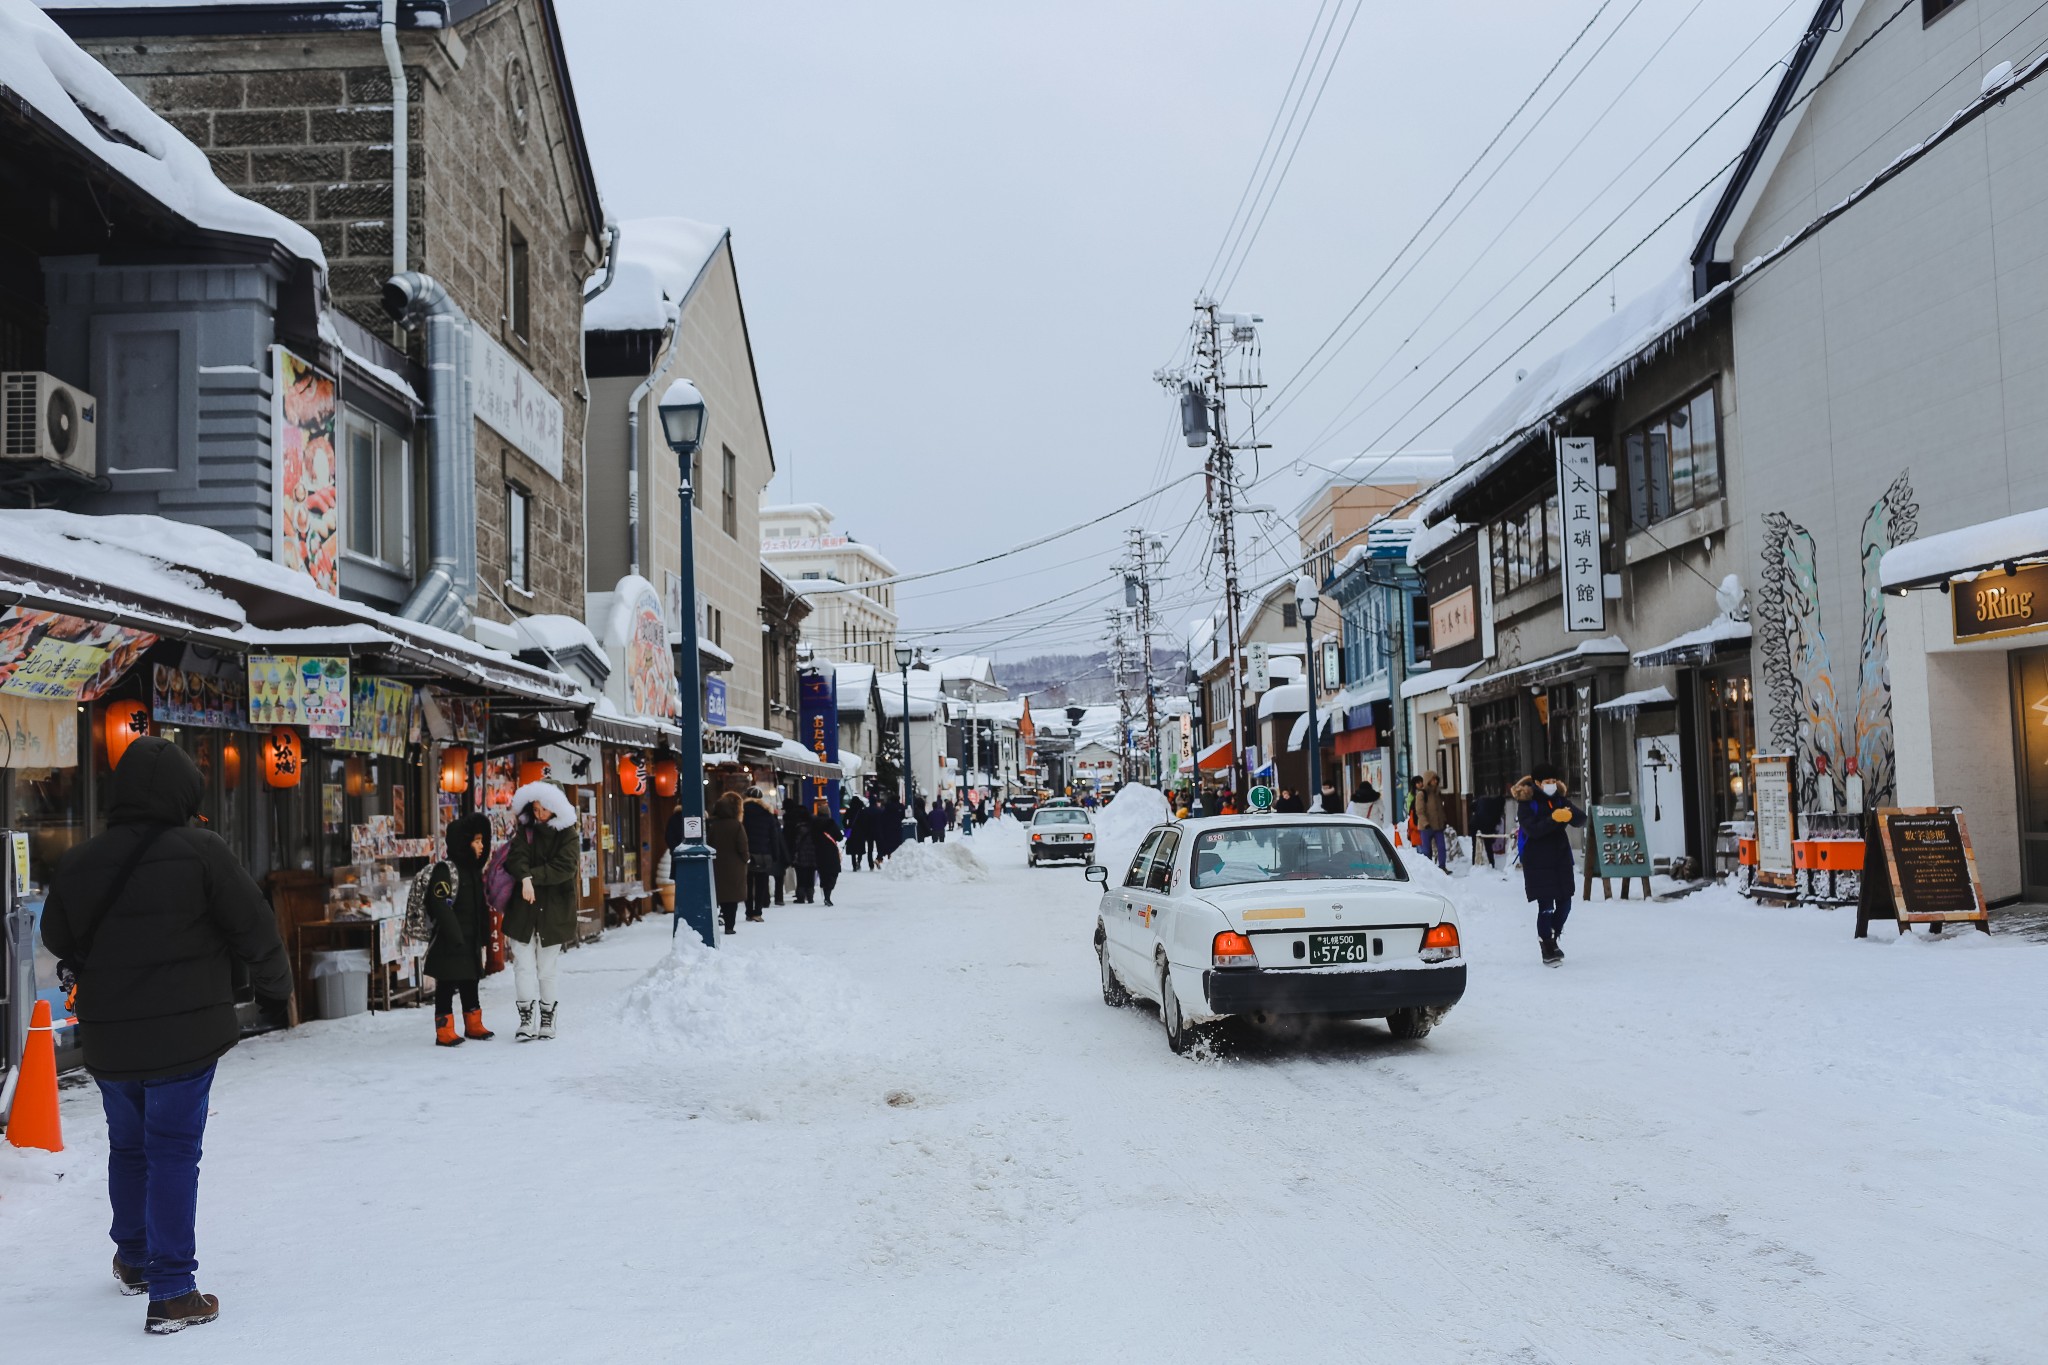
1329,950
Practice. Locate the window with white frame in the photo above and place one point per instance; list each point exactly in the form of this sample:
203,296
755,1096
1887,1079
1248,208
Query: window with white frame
377,492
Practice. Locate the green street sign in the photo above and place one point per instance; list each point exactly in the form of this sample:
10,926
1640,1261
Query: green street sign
1261,798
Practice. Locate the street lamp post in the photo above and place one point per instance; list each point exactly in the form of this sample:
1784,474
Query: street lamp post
904,654
1306,601
682,425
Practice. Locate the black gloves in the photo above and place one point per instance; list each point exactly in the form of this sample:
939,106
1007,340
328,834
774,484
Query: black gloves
276,1013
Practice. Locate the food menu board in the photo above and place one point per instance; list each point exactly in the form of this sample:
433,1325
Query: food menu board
48,656
291,689
182,697
380,718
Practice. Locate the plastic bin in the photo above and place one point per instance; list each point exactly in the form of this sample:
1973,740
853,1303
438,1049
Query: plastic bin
341,981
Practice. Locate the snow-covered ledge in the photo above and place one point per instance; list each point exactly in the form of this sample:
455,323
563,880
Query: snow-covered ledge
1931,559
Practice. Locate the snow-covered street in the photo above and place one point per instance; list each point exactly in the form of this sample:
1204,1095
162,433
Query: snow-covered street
907,1129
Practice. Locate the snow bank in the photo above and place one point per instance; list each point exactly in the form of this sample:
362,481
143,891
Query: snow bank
1122,825
953,862
735,999
1000,840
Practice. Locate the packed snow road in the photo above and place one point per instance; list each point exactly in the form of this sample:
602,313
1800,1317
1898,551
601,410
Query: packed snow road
907,1129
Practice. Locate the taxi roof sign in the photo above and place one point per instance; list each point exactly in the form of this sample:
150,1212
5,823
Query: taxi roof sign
1261,799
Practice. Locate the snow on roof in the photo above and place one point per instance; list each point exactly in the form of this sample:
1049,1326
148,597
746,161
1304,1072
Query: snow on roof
855,683
557,633
1720,629
659,263
1605,354
1291,697
1659,695
39,64
819,510
1376,469
1433,680
1606,644
970,666
2024,535
1430,539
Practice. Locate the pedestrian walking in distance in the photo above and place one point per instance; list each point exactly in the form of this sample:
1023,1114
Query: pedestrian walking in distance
731,864
149,920
1433,820
825,839
1545,815
546,862
803,854
768,850
462,923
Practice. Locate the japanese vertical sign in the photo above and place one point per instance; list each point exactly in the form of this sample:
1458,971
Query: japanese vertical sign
818,731
1578,508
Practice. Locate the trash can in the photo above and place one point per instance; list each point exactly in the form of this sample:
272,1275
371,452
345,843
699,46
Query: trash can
341,980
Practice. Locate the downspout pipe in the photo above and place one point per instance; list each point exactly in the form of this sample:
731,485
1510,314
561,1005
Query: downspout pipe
639,396
401,101
446,596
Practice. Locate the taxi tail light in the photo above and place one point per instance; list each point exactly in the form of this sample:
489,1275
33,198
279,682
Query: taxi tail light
1232,949
1037,838
1440,944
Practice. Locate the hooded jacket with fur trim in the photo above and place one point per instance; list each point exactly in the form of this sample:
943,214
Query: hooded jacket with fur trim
551,855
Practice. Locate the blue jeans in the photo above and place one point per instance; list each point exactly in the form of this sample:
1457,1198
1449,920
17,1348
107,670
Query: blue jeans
153,1133
1551,913
1436,846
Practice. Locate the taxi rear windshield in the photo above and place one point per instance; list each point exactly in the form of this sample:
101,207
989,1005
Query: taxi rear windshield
1248,855
1065,815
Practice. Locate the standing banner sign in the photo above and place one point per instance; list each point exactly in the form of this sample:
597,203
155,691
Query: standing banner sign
1929,872
818,731
1776,874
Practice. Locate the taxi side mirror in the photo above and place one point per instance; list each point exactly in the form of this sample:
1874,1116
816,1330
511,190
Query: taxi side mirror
1097,873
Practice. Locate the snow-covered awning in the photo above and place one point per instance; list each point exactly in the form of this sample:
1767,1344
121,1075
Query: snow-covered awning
1631,702
1717,637
1217,756
1930,560
608,725
1290,697
779,752
1433,680
1607,651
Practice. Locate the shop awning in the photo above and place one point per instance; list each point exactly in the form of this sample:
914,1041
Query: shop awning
1360,741
632,732
780,753
1606,652
1328,720
1629,703
1217,757
1931,560
1718,637
1434,680
1288,697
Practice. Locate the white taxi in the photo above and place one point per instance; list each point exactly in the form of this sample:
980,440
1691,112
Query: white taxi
1273,915
1059,832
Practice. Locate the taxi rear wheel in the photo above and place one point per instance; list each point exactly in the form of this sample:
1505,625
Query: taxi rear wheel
1411,1025
1180,1035
1113,993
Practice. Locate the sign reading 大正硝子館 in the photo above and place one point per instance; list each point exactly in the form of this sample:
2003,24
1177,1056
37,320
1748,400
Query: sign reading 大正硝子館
1578,508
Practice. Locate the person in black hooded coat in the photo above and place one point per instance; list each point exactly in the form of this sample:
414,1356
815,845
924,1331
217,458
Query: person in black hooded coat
462,927
150,920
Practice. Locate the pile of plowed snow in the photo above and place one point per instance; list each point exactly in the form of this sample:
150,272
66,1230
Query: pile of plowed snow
1122,825
953,861
770,999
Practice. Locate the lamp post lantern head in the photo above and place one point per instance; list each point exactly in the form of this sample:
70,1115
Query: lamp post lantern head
682,417
904,654
1305,597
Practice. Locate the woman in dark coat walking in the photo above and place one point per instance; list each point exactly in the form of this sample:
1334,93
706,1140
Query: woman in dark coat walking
731,877
803,854
1545,814
766,848
825,849
462,923
856,830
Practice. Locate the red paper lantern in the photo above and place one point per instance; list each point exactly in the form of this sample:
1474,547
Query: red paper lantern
665,777
231,764
532,770
282,763
632,774
125,722
455,769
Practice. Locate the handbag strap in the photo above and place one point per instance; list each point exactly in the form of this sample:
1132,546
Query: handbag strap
115,888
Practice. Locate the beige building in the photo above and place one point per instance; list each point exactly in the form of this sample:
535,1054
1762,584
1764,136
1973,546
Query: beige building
848,621
671,309
1358,492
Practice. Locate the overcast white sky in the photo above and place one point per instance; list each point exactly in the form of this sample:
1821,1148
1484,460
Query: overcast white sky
968,235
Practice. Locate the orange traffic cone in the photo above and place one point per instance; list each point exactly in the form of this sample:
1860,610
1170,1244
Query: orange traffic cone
34,1122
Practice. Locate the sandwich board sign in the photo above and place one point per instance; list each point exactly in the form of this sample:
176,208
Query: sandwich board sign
1616,846
1927,873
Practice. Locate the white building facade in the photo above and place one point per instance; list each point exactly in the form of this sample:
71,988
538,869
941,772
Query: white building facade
853,611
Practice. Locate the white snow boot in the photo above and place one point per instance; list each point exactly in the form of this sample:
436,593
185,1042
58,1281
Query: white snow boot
525,1033
547,1019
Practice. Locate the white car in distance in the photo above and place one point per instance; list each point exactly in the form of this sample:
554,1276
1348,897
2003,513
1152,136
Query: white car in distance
1271,916
1061,832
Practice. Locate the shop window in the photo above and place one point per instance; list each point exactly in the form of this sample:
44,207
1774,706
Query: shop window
1496,747
518,285
1731,745
1418,624
377,496
518,532
1526,545
1564,738
1674,461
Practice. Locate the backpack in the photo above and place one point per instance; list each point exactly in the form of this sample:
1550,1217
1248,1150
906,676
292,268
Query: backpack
498,884
419,919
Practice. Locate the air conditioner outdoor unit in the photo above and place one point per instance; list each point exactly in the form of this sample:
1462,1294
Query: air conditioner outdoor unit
43,418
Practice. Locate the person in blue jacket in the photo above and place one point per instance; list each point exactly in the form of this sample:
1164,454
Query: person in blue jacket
1544,816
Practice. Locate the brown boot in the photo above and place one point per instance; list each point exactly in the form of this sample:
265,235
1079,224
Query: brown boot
473,1025
444,1031
133,1279
175,1315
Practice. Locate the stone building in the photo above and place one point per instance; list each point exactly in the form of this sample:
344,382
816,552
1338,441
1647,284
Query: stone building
293,105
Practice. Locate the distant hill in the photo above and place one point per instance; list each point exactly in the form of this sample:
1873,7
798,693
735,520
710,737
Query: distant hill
1077,679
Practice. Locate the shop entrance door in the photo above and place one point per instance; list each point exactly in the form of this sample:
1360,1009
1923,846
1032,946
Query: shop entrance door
2030,734
1660,787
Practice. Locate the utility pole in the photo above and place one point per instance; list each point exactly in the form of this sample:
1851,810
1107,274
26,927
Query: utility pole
1120,669
1138,597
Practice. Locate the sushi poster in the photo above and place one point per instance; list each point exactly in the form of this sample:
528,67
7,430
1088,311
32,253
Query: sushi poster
307,491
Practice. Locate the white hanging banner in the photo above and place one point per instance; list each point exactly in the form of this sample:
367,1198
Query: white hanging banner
1578,507
514,404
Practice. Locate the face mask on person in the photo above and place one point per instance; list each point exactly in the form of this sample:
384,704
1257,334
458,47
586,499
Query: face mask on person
1549,788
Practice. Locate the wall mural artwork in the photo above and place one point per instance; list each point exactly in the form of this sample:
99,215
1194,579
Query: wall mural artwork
1837,722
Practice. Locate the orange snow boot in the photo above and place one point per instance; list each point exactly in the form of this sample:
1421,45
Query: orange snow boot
473,1025
444,1031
